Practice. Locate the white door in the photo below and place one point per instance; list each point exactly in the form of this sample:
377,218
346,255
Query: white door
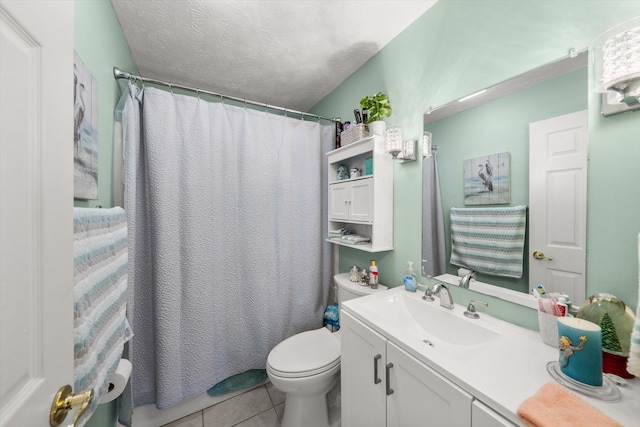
362,361
36,200
558,204
421,396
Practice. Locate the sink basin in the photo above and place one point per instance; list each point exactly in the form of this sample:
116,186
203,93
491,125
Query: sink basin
445,325
437,324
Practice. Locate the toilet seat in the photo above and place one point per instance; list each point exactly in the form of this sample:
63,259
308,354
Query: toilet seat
305,354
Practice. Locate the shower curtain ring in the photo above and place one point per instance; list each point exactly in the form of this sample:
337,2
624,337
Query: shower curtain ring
171,88
198,93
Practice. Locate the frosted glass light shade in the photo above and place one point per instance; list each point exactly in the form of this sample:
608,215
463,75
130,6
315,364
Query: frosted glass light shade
393,141
409,149
426,144
617,61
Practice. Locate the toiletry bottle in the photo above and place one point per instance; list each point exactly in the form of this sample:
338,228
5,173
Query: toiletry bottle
373,275
409,279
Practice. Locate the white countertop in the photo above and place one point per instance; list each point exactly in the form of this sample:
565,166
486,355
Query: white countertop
501,374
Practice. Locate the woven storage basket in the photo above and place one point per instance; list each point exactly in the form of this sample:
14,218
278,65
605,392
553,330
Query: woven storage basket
354,133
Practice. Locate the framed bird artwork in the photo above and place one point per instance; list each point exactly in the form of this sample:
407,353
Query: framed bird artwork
486,180
85,133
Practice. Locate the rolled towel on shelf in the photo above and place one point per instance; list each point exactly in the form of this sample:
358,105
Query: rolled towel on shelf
553,405
355,239
339,232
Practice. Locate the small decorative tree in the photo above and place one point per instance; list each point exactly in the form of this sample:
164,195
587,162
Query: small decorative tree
610,339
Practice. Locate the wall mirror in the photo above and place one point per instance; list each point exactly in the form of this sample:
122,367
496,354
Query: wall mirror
497,121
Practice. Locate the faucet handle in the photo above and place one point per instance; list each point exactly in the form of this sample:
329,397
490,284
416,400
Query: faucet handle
428,294
471,311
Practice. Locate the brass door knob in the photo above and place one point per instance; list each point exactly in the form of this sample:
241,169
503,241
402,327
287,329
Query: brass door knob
64,401
540,255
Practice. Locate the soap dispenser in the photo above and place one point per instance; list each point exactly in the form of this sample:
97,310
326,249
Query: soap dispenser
409,279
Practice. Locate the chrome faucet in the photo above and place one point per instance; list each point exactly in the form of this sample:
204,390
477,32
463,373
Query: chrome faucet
446,300
464,282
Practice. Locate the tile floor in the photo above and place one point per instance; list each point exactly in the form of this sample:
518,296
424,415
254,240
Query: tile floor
260,407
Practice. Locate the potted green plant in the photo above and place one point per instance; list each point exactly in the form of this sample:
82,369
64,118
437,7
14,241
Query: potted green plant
378,107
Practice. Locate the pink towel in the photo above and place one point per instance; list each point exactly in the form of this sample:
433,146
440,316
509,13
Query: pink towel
555,406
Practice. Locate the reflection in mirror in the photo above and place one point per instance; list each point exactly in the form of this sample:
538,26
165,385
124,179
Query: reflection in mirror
498,121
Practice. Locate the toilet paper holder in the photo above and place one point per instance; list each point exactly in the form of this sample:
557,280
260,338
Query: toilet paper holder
117,381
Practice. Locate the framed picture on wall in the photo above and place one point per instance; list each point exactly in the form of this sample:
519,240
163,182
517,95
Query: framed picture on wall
486,180
85,132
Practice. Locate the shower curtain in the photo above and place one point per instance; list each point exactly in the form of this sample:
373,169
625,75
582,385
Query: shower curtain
227,217
433,250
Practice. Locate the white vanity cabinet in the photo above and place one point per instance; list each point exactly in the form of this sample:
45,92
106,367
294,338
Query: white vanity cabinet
364,204
483,416
363,358
408,362
383,385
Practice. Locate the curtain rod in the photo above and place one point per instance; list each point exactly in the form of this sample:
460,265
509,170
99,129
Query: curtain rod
121,74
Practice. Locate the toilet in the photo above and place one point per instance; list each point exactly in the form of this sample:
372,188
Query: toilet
306,367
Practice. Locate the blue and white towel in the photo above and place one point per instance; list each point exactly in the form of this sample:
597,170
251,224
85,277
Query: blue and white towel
100,296
489,240
633,363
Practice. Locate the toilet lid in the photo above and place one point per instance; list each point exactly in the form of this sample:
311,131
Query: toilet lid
304,354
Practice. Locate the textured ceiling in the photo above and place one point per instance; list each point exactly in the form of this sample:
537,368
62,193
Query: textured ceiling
285,53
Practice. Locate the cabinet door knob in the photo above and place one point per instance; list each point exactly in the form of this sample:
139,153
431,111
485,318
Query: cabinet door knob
376,379
388,369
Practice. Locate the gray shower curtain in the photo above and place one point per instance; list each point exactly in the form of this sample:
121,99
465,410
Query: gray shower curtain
433,250
227,218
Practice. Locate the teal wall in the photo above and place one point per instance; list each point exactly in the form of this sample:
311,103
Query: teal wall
460,46
500,126
100,43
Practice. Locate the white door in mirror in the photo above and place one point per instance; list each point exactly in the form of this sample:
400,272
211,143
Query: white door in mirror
558,204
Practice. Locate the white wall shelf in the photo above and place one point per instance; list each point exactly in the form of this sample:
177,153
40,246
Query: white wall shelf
363,204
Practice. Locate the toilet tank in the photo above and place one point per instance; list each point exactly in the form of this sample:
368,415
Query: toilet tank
348,290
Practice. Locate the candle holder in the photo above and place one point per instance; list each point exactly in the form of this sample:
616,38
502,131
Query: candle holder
580,343
579,364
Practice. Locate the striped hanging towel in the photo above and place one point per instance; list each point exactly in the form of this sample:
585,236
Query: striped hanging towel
100,295
489,240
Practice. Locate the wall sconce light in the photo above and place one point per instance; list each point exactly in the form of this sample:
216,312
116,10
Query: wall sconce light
616,55
399,149
408,153
393,141
426,144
